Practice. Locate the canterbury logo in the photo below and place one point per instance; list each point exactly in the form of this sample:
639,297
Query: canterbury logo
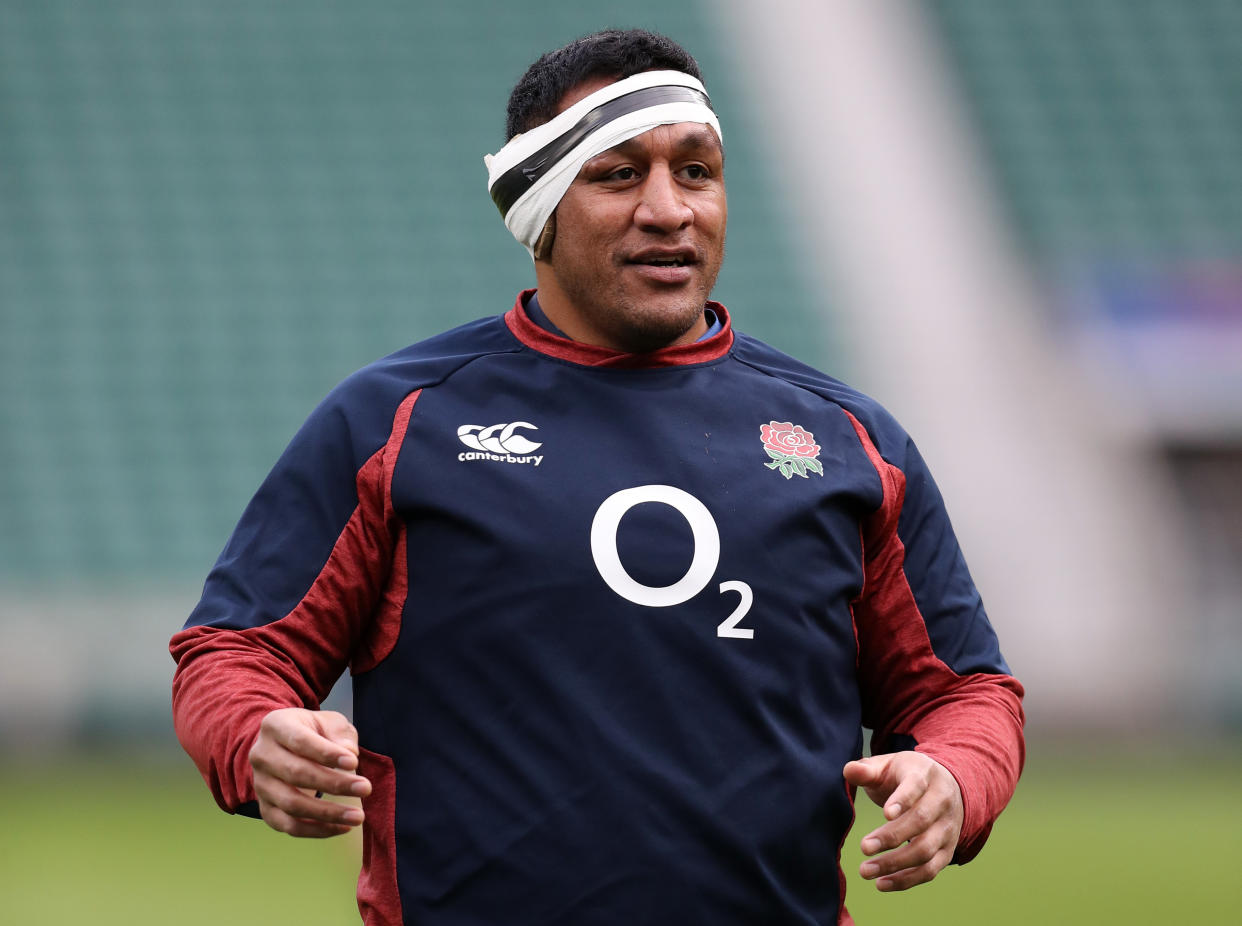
499,442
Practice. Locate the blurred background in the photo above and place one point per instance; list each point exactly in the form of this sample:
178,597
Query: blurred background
1018,225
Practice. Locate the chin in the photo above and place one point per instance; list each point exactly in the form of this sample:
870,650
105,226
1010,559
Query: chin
650,330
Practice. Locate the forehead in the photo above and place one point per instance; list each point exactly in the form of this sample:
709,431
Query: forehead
681,136
676,139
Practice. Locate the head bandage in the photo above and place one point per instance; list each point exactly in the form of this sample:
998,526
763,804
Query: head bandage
529,175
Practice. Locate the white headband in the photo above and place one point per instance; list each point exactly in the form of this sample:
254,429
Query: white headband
529,175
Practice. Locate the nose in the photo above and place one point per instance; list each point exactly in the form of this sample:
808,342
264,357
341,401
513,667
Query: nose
662,206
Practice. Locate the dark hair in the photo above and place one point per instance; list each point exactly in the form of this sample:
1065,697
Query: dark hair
615,53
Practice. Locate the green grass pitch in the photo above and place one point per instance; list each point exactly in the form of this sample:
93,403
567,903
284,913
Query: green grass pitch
1098,839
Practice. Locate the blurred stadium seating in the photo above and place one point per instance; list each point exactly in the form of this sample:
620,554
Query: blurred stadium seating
210,213
1115,133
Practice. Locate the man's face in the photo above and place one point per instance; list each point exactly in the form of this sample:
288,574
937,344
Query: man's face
639,239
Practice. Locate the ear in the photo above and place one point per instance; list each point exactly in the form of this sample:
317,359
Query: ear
543,244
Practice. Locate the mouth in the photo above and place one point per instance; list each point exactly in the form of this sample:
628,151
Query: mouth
665,265
664,257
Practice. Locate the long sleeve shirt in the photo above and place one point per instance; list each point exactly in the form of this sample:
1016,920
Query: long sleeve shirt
615,623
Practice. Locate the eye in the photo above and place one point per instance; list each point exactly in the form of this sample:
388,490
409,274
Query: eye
696,172
623,173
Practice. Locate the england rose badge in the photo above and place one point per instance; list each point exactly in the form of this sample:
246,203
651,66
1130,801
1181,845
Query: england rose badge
791,447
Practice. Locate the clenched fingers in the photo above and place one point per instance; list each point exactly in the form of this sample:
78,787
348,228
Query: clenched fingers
294,811
915,862
323,737
279,764
297,757
282,822
923,806
911,819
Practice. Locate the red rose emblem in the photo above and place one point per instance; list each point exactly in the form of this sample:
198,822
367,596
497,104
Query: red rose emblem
788,439
792,448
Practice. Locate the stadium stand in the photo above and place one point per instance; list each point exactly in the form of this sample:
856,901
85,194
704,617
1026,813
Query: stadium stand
1115,130
1115,133
210,213
1115,127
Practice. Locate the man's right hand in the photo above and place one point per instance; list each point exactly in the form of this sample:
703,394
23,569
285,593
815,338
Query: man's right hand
298,753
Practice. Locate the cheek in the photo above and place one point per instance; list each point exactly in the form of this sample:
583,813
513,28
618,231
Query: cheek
713,217
589,234
569,246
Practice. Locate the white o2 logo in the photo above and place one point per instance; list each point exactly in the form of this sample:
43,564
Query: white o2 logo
702,565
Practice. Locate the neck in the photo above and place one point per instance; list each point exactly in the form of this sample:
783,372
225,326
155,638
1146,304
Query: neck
580,324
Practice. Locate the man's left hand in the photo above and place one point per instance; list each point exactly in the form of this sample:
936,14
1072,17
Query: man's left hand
923,806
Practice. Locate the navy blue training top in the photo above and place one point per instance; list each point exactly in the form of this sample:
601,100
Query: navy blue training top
615,624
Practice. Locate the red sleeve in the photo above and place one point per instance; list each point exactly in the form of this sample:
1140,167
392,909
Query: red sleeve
972,722
229,677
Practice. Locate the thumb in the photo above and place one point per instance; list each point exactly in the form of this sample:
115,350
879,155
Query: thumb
864,773
872,774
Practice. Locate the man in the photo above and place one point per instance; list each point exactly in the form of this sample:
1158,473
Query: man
618,586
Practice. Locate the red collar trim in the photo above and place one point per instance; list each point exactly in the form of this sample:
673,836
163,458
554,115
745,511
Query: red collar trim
589,355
